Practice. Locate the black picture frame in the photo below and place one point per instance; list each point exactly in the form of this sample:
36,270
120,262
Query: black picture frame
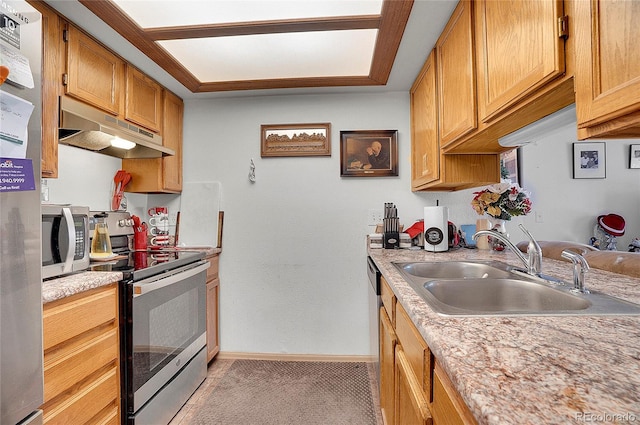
589,160
634,156
369,153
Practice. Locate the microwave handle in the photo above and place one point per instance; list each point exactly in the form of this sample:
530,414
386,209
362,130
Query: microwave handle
71,234
142,288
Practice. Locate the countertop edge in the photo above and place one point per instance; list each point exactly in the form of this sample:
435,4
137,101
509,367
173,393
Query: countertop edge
66,286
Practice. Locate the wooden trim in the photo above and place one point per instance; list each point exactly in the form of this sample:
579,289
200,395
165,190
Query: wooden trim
395,15
264,27
391,24
236,355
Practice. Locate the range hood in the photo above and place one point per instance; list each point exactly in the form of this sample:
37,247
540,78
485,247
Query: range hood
89,128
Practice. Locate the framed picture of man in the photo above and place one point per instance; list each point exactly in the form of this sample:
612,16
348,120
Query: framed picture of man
369,153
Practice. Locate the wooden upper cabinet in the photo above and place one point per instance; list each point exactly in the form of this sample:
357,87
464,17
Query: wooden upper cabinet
425,147
519,50
455,62
143,104
94,74
161,175
52,64
607,68
172,138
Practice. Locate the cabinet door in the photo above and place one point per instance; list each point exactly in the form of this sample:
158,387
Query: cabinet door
143,104
388,342
455,62
94,74
519,50
172,138
607,65
411,406
425,148
447,407
52,70
213,299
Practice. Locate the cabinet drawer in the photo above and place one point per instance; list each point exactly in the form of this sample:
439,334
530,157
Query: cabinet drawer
212,271
73,364
447,407
388,300
71,317
417,352
80,407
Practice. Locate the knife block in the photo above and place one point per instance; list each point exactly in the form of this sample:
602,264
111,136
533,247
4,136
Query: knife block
391,240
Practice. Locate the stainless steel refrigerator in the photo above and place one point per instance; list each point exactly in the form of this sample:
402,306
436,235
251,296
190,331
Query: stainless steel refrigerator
21,368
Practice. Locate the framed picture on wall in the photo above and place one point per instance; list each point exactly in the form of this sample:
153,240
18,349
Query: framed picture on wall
589,160
295,140
634,156
510,166
369,153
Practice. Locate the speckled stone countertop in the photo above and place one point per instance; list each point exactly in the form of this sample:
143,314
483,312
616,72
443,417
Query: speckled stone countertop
532,370
66,286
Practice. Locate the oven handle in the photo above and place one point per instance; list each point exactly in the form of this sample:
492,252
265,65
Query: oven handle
142,288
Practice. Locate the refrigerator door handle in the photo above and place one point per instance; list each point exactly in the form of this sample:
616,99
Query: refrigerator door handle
71,234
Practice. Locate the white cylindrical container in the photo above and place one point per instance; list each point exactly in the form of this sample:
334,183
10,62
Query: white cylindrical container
436,229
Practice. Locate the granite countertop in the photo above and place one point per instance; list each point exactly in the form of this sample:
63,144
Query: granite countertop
523,369
66,286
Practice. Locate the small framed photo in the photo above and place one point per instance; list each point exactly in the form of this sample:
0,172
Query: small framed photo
634,156
369,153
589,161
510,166
295,140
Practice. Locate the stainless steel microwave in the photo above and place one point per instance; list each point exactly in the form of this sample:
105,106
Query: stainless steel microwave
65,239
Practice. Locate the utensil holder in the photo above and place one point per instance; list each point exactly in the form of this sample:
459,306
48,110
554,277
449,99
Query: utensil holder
391,240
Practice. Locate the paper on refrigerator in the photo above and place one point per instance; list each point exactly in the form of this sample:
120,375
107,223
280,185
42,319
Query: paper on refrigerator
14,119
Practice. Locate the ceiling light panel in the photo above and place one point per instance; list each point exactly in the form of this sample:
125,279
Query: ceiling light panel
273,56
169,13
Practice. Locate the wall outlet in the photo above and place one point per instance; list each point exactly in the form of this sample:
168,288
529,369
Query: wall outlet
374,217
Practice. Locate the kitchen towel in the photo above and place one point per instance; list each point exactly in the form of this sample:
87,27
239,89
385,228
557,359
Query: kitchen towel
199,207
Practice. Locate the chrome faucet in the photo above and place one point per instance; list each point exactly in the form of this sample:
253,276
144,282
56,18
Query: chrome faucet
533,261
580,267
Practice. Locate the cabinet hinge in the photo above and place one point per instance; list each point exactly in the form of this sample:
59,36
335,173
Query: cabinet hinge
65,35
65,79
563,27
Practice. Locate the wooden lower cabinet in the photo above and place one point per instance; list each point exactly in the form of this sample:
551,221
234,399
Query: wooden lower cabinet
447,406
411,407
414,389
213,305
81,358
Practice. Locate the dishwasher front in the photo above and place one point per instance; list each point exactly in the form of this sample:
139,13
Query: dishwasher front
375,302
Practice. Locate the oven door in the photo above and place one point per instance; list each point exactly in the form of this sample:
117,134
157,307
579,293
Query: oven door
168,325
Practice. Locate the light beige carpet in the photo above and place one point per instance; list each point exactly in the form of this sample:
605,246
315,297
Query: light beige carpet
264,392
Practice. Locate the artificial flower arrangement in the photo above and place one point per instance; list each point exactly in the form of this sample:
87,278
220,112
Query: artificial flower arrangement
502,201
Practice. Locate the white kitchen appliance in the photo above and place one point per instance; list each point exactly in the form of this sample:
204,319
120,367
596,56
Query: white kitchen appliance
436,230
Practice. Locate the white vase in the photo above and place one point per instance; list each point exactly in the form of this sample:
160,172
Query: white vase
498,225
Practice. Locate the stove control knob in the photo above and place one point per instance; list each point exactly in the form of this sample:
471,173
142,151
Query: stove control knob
125,222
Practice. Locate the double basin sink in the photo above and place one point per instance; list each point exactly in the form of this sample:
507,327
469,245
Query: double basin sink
469,288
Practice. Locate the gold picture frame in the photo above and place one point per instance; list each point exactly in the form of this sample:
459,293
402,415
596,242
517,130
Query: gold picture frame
279,140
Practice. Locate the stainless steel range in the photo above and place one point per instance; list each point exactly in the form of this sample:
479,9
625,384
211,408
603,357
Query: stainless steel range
163,325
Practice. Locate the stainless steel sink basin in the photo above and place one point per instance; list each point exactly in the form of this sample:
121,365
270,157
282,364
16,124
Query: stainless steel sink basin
457,270
468,288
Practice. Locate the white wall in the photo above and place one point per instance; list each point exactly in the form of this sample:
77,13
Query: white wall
292,268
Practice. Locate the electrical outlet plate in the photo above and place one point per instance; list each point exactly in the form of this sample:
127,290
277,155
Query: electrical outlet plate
374,217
